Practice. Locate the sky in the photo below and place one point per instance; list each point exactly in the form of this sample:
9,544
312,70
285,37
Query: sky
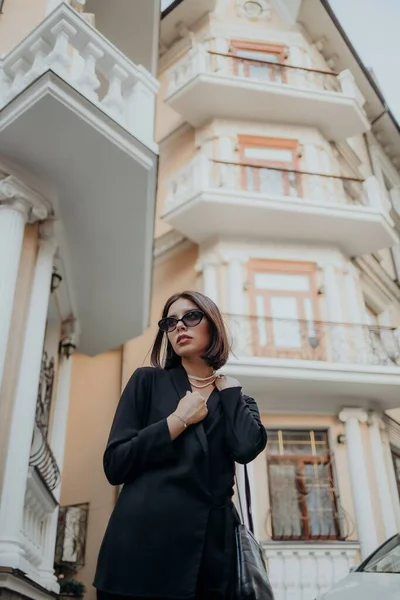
373,27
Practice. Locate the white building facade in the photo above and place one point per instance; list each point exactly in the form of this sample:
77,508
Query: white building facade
278,162
78,171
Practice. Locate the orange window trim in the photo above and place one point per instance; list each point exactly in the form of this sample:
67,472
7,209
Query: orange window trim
278,49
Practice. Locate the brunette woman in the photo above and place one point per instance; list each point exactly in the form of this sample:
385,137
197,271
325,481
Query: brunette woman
178,430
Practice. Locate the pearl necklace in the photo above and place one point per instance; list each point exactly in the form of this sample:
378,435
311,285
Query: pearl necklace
209,380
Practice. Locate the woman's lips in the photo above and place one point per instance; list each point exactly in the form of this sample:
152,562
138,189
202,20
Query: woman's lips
182,339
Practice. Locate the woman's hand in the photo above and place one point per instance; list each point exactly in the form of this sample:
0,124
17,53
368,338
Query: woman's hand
192,408
224,382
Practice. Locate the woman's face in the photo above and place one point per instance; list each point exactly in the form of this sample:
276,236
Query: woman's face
188,341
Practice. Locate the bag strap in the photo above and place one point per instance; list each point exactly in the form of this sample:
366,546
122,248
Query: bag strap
248,500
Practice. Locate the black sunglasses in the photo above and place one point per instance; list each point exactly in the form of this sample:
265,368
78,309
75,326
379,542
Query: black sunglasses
190,319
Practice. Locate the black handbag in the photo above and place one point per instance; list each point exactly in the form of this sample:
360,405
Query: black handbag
252,582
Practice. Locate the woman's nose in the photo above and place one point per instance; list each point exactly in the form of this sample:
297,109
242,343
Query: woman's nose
181,326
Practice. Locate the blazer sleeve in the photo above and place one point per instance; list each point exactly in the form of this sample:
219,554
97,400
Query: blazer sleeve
245,434
132,448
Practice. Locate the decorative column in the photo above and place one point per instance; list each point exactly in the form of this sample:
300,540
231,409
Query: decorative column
57,443
381,474
22,421
335,330
18,205
209,268
239,323
358,341
352,417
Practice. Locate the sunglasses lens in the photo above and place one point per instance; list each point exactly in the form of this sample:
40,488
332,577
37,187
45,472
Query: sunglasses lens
167,324
193,318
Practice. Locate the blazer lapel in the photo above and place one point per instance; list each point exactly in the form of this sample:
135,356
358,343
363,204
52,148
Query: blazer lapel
182,385
213,403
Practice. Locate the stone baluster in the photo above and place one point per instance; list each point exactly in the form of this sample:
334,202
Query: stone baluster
60,58
114,101
87,80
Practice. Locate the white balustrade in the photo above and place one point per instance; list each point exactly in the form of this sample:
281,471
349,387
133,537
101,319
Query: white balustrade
303,571
195,62
68,45
188,181
38,508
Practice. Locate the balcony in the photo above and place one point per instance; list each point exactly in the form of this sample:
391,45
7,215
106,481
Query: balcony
315,366
309,569
208,85
211,198
78,116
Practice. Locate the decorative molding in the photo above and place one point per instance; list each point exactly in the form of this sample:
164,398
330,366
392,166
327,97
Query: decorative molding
36,207
168,245
353,413
256,10
378,276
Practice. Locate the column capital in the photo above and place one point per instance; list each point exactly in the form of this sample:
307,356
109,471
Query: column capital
47,235
353,413
375,418
15,193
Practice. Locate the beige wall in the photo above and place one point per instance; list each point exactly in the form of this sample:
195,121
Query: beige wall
95,390
18,19
175,153
16,335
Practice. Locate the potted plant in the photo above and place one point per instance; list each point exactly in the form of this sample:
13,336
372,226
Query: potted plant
71,588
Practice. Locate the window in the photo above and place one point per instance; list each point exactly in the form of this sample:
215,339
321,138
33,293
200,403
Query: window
71,537
269,165
301,488
284,304
259,61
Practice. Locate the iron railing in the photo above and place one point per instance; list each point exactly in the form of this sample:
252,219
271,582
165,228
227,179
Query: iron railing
41,456
318,187
314,340
273,72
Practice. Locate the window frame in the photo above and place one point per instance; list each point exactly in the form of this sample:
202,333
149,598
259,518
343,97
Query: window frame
305,459
305,352
253,141
279,50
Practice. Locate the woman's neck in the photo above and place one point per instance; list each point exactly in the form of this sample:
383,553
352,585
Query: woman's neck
197,367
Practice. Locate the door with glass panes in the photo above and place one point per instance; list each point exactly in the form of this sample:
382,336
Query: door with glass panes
270,165
284,306
259,61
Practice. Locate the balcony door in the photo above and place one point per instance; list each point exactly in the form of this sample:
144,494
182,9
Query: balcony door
284,305
269,165
259,61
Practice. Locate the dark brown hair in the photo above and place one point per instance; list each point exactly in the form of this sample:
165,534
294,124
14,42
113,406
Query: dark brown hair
216,354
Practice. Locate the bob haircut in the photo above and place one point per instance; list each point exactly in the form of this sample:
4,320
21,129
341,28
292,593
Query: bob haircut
162,354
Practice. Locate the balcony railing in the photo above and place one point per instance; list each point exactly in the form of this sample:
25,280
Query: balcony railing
314,340
200,61
68,45
202,175
307,570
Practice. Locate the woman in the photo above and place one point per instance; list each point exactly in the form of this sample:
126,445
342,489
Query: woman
177,432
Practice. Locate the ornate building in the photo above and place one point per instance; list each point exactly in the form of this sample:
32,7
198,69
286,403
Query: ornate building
78,166
278,196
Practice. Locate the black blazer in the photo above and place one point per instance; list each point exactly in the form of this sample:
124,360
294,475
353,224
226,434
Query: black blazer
155,538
